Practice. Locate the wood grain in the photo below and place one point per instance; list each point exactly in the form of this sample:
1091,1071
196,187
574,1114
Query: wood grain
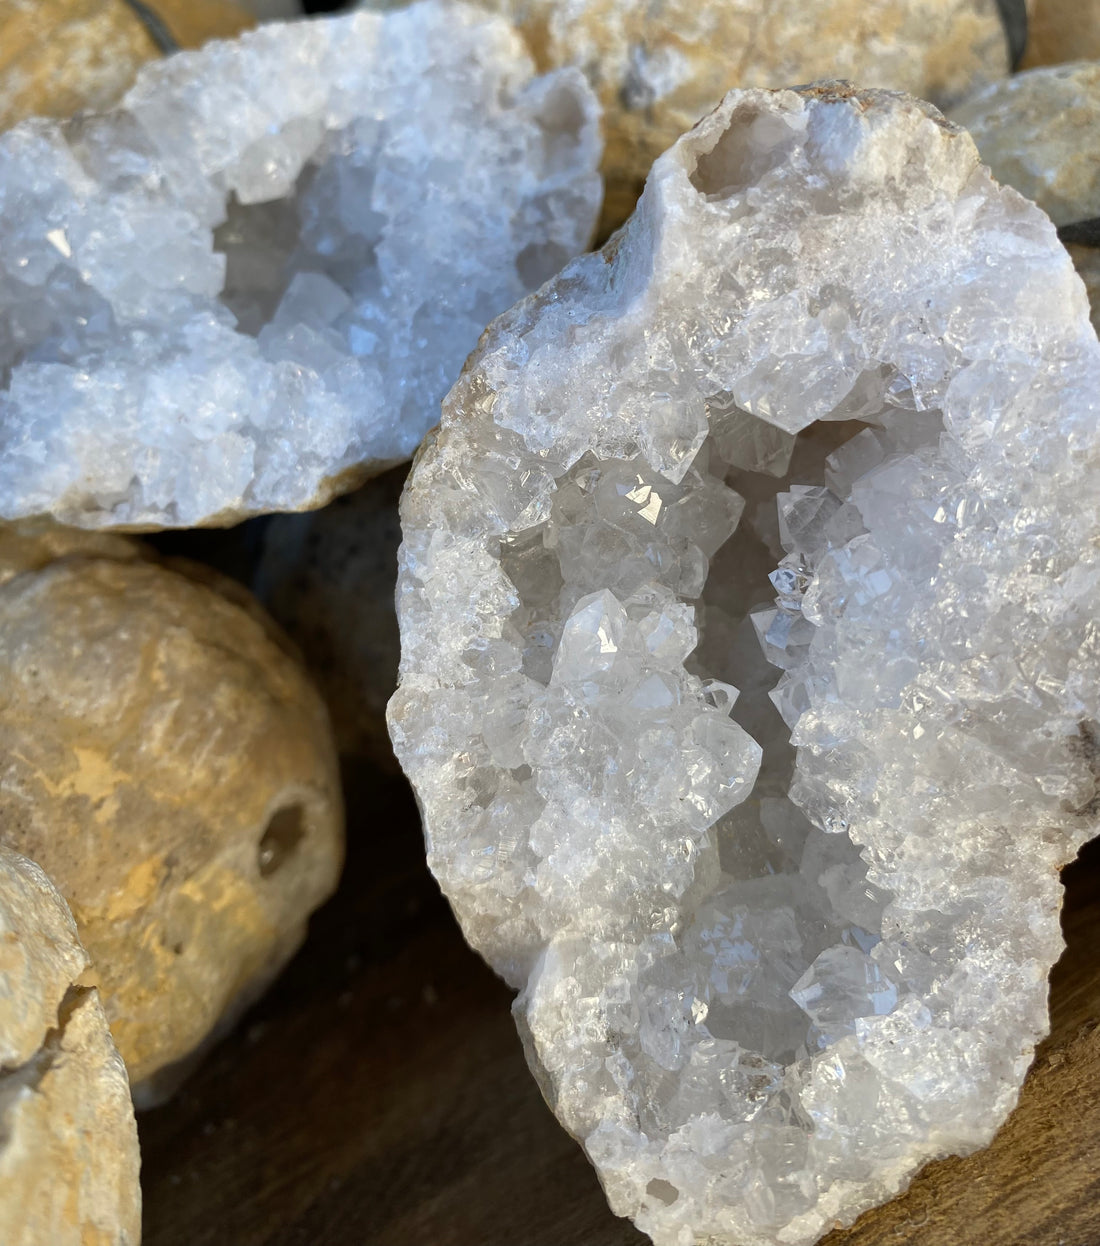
378,1097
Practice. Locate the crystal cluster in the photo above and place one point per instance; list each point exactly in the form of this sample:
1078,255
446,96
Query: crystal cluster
251,284
749,674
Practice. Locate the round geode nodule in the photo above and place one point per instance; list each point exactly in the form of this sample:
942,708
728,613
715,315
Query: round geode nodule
818,425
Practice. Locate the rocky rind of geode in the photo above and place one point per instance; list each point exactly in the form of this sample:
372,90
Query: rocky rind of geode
1039,132
68,1141
659,67
166,759
249,286
1062,30
749,662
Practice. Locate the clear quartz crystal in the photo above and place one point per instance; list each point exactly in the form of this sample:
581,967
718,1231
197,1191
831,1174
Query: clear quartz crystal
252,283
752,761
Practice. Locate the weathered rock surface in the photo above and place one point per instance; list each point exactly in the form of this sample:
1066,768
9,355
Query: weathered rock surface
659,67
249,286
1039,132
58,56
165,758
34,543
781,940
68,1142
329,577
1062,30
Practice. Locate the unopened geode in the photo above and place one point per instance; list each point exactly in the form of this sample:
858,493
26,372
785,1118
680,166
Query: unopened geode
773,960
249,286
165,758
68,1141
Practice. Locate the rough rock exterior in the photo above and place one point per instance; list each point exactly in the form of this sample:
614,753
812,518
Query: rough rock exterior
1039,132
251,284
1062,30
659,67
68,1142
328,577
772,962
58,56
167,761
34,543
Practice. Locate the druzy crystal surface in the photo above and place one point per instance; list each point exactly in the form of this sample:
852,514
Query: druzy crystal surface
749,675
252,282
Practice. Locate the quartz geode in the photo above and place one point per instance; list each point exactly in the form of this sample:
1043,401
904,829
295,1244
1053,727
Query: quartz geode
777,948
251,283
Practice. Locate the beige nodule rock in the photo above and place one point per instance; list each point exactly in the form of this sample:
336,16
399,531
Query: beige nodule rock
33,544
58,56
659,67
1039,132
68,1142
1062,30
164,757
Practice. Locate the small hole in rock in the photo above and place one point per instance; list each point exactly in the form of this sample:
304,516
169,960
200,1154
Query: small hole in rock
284,833
663,1191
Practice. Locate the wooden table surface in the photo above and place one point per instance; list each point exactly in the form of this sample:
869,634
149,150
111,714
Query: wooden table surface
378,1096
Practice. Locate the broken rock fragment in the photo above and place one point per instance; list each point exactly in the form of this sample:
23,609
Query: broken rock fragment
68,1142
166,759
248,287
749,673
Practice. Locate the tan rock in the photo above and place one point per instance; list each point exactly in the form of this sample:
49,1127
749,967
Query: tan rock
1062,30
33,544
658,67
164,757
58,56
68,1142
329,577
1039,132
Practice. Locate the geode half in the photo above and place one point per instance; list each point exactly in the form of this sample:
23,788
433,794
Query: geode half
779,946
249,286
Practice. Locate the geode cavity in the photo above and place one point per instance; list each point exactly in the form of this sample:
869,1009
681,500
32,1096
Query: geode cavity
827,405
